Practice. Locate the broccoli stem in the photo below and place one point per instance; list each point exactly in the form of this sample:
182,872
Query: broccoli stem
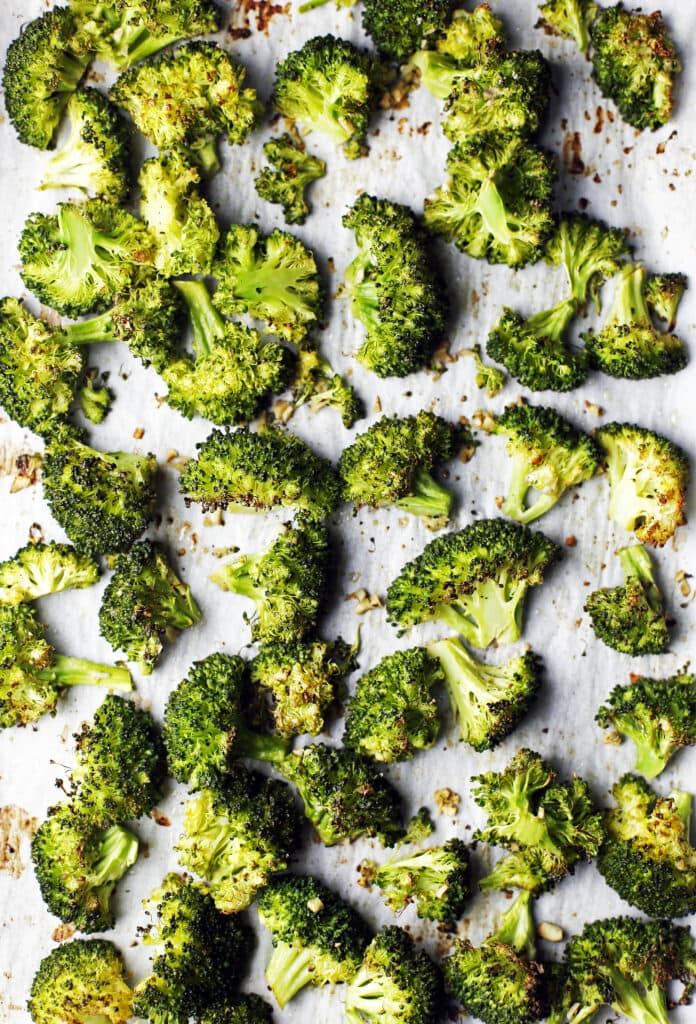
67,671
428,498
635,562
204,152
117,851
258,747
644,1007
552,323
517,927
207,324
288,971
629,305
93,331
653,748
493,213
682,805
68,169
464,677
237,579
367,1001
490,612
515,504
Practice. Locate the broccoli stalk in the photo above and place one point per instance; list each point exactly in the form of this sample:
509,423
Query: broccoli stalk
67,671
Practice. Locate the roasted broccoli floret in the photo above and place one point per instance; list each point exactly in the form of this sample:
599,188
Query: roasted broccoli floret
534,351
571,18
549,825
471,39
245,472
436,879
294,170
631,618
188,98
488,701
589,252
95,399
490,379
33,676
398,27
237,836
81,981
204,725
396,983
37,570
78,865
41,72
500,981
331,86
635,64
316,383
245,1009
496,204
395,288
317,938
657,715
393,712
663,294
144,604
344,795
474,580
548,455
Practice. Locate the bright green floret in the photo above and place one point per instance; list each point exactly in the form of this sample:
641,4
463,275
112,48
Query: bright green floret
399,27
571,18
589,252
534,349
83,982
95,400
436,879
246,1009
631,618
471,39
663,294
488,701
396,983
37,570
292,173
490,379
316,383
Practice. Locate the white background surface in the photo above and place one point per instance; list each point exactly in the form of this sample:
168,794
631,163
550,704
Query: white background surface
628,182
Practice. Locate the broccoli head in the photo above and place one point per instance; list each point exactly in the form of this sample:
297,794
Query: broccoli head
293,171
246,1009
396,983
663,294
37,570
399,27
589,252
631,618
316,383
436,879
490,379
95,399
571,18
534,350
471,39
81,981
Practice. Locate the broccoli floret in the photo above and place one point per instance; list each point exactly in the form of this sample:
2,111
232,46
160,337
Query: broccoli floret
239,835
95,400
246,1009
41,72
393,712
500,981
548,456
331,86
294,171
657,715
571,18
474,580
316,383
344,795
245,472
663,294
490,379
496,204
37,570
396,983
144,604
435,879
80,258
647,857
78,866
395,288
534,351
398,27
33,676
391,464
317,938
635,63
183,224
103,500
82,981
529,811
39,369
589,252
301,680
204,725
631,618
189,98
274,278
286,582
96,154
470,40
488,701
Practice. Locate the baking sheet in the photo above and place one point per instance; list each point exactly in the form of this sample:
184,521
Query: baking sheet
644,182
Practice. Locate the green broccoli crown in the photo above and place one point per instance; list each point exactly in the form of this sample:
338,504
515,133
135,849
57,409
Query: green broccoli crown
474,580
103,500
658,715
204,725
648,479
182,222
239,835
571,18
78,866
496,204
471,39
629,345
548,455
631,618
33,676
274,278
344,795
490,379
436,879
246,1009
245,472
395,288
41,72
144,604
663,294
399,27
391,464
589,252
331,86
396,984
39,369
95,400
37,570
301,680
635,63
534,351
81,981
294,171
488,701
96,155
393,712
647,857
528,809
315,382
